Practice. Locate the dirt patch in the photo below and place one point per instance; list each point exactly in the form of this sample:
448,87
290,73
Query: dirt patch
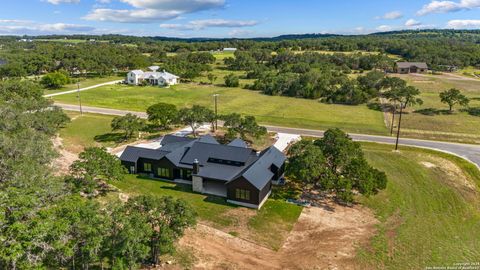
321,239
454,177
428,164
62,164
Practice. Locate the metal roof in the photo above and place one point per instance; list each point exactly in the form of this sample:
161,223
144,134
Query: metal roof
238,143
217,161
204,151
412,64
259,173
132,154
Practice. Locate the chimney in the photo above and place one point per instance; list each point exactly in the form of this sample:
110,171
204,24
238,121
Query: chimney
196,166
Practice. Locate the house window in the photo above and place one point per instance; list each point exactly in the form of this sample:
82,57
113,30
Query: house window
147,167
164,172
242,194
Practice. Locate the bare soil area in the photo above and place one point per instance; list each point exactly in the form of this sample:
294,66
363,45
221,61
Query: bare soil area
65,157
323,238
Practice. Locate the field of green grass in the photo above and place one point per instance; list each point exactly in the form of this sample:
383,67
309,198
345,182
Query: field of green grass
93,130
429,213
432,121
84,83
268,226
274,110
82,129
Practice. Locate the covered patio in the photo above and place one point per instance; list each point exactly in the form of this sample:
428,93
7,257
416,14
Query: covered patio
214,187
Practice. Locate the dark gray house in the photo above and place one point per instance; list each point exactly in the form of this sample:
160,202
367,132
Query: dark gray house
233,171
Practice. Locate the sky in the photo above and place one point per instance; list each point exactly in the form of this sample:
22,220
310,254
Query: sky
232,18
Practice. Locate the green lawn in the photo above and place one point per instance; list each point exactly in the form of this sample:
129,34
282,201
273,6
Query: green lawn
269,226
94,130
274,110
429,217
83,129
435,122
84,83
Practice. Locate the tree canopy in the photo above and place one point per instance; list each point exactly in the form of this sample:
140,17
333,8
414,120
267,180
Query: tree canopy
452,97
334,164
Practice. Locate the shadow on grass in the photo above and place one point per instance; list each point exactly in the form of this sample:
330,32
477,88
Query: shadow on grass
433,112
472,111
110,137
377,106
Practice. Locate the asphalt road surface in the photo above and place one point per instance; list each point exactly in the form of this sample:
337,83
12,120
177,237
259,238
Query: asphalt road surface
469,152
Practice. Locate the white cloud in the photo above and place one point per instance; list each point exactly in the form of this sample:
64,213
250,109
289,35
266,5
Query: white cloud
448,6
384,28
202,24
145,11
412,22
16,27
56,2
463,24
131,16
391,15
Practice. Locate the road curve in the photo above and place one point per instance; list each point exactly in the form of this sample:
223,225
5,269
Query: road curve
469,152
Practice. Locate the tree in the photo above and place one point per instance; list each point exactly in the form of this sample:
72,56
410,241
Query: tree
231,80
392,85
195,116
167,217
211,77
306,162
334,164
162,114
130,124
453,97
407,96
128,239
243,126
95,166
55,80
76,232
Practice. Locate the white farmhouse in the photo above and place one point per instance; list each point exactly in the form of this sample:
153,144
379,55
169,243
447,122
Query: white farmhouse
152,77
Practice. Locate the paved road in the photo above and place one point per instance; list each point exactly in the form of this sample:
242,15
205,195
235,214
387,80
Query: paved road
468,151
83,89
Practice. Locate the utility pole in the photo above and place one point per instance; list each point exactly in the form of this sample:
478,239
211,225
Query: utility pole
216,111
399,125
79,98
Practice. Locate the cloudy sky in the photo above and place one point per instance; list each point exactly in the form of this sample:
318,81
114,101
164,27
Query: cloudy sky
232,18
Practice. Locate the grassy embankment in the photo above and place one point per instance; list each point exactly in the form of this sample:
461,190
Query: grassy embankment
429,213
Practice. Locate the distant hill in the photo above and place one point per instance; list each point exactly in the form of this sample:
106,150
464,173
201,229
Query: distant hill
467,35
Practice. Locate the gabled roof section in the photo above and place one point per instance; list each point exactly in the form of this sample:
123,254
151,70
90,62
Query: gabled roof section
132,154
259,173
137,72
208,139
238,143
204,151
168,139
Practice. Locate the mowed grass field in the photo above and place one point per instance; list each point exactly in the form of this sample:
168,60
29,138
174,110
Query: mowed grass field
432,121
273,110
84,83
429,213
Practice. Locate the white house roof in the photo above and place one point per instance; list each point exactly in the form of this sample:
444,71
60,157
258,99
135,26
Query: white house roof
137,72
154,74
